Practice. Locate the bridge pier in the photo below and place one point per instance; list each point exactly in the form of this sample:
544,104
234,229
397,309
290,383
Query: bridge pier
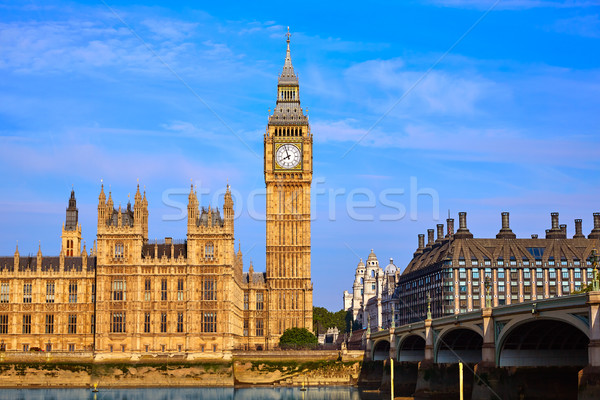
368,347
393,345
488,349
429,342
486,373
589,377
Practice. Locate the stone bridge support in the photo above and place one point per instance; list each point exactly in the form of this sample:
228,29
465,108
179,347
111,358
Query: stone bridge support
393,345
487,366
589,377
368,347
429,342
594,346
488,350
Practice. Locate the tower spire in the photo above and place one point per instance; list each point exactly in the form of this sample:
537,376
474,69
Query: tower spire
288,111
288,76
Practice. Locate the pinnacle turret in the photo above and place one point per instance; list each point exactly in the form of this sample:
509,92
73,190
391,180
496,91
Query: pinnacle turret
138,195
102,196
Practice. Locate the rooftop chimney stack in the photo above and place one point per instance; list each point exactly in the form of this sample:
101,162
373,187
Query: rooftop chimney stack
462,220
595,234
463,231
440,232
554,220
430,238
534,235
578,230
450,225
421,245
563,230
505,232
555,232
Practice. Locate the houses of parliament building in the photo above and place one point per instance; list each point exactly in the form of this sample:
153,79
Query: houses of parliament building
130,295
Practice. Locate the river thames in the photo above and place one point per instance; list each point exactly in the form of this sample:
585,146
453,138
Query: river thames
312,393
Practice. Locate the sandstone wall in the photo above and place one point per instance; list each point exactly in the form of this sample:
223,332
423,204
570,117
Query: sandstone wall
249,368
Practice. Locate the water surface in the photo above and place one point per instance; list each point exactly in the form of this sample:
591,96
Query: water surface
312,393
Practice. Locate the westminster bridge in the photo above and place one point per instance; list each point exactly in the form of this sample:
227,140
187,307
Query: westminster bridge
550,346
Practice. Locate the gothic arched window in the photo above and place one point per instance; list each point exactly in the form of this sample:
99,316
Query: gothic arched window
119,250
209,250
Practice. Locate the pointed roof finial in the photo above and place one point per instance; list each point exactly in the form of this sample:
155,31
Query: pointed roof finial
288,76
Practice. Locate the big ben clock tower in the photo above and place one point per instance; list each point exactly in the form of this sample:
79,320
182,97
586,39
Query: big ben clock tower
288,176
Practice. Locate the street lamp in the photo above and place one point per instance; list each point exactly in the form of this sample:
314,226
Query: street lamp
488,300
594,260
428,305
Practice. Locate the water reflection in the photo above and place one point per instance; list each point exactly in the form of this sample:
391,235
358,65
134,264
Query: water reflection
312,393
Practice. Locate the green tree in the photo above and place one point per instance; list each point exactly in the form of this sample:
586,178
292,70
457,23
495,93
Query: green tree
349,320
297,338
324,319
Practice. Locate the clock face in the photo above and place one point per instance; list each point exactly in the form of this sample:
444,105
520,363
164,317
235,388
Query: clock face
288,156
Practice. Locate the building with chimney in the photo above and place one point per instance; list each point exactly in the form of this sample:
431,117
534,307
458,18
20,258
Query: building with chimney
454,271
129,294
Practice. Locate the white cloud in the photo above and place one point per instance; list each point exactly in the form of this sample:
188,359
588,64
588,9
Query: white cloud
380,85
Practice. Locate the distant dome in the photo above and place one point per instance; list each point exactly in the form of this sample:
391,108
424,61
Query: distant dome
391,269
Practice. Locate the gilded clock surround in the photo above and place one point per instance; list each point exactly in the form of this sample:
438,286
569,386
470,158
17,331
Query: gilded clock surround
277,146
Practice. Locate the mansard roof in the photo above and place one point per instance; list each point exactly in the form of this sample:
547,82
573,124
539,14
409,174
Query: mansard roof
49,263
126,217
505,250
512,251
258,278
7,263
213,214
179,249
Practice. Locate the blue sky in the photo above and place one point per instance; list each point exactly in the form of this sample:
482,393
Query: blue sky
165,92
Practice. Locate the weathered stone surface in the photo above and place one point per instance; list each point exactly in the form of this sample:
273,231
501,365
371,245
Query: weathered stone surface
161,372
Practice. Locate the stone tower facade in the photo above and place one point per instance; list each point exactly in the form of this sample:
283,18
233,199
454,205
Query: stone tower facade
288,176
131,296
71,230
